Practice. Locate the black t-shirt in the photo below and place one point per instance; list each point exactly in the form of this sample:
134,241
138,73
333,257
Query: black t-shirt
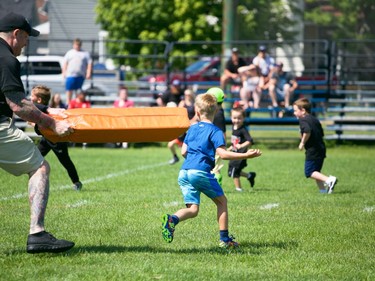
239,136
315,147
172,97
233,68
9,76
219,119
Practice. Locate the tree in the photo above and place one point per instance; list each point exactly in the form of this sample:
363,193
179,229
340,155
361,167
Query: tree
353,19
189,20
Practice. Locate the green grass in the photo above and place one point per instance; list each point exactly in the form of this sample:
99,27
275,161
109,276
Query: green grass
115,221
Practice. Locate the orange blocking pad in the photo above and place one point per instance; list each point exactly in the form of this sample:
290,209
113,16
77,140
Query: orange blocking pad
102,125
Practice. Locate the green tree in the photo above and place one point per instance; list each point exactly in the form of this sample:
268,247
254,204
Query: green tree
353,19
189,20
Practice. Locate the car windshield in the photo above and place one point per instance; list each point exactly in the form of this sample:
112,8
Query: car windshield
197,66
40,68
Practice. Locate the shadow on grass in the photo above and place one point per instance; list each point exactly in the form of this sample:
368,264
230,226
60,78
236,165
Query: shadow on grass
245,248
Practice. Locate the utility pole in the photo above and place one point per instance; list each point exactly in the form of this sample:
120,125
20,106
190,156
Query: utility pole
228,30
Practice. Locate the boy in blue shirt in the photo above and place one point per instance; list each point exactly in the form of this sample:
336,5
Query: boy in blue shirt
202,141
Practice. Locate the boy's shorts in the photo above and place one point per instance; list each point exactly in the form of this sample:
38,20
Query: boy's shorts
74,83
312,166
195,182
18,154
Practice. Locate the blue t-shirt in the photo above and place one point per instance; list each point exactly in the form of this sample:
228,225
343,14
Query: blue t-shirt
202,139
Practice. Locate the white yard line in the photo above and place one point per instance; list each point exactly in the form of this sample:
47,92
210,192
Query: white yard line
269,206
96,179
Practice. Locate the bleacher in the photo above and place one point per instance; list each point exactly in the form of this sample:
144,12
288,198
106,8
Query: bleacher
351,111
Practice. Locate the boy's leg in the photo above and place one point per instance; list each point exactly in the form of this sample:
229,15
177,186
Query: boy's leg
237,183
250,177
222,211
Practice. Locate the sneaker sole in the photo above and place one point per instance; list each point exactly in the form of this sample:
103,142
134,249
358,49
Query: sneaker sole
45,248
166,233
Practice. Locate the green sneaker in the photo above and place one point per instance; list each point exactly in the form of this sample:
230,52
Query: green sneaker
230,244
167,228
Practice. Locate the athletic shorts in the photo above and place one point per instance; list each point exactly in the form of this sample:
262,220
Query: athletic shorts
195,182
18,153
74,83
312,166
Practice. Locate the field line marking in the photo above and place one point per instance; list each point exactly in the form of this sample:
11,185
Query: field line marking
96,179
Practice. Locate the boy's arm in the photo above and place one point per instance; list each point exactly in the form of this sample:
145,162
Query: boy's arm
305,137
246,144
184,150
229,155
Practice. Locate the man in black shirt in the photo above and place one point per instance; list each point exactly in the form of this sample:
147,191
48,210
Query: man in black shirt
230,74
18,153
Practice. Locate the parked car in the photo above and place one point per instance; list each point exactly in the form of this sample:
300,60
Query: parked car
205,69
47,70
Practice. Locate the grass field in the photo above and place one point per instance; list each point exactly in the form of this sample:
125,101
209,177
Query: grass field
287,230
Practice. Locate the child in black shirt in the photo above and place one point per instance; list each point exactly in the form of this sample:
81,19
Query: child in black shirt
240,142
312,140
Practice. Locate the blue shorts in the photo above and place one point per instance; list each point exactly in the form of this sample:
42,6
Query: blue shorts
74,83
312,166
195,182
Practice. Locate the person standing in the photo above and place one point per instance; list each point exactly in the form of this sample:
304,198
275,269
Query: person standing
77,67
18,153
41,95
312,140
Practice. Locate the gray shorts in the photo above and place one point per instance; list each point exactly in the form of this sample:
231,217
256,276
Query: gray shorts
18,154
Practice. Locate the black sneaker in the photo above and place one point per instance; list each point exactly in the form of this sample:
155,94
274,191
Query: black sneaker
77,186
44,242
251,178
174,160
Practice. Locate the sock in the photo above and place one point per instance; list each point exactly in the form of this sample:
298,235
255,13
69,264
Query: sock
224,235
175,219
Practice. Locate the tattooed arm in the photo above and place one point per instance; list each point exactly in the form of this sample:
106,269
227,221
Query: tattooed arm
27,111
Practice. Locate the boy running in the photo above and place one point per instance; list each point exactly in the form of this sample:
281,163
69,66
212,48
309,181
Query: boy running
202,141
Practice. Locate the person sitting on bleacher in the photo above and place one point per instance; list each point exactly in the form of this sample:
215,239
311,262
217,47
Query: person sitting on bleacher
251,90
282,86
230,73
265,63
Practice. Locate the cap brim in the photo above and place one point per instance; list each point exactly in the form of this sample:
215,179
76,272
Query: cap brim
34,32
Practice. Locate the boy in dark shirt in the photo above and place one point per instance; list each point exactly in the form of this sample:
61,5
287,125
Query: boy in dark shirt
312,140
240,142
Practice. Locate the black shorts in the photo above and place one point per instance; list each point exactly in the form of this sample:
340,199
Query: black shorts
235,168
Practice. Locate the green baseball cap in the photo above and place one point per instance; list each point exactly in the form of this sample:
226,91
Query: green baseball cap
217,93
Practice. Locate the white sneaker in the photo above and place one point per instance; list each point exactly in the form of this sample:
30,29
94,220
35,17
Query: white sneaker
331,182
239,189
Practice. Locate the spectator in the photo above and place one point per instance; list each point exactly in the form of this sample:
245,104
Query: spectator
76,68
41,95
18,153
80,101
202,141
265,63
251,91
282,84
315,150
174,94
56,102
240,142
230,73
188,103
123,101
